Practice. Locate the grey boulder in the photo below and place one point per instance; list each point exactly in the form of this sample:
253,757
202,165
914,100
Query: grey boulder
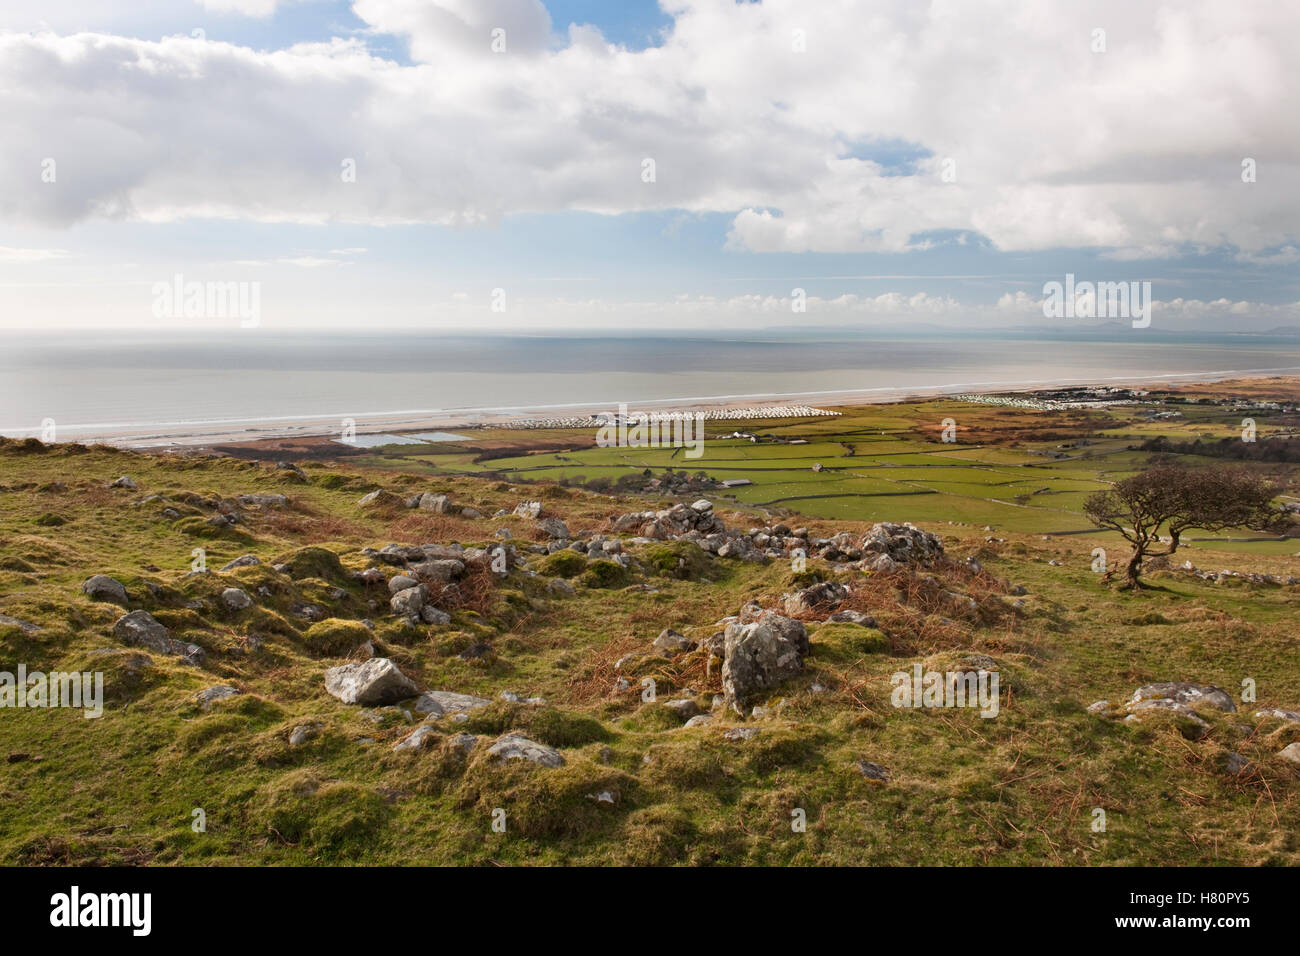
101,587
140,629
409,603
518,747
369,683
760,655
1180,696
243,561
208,696
236,599
437,703
822,597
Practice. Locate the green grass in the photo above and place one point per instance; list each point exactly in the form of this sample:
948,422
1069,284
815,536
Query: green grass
1018,789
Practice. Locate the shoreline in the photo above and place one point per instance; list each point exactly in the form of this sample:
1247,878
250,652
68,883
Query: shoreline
197,435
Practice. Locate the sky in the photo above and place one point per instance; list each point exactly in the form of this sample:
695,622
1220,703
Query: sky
705,164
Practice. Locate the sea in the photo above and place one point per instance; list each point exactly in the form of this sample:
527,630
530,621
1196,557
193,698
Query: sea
97,384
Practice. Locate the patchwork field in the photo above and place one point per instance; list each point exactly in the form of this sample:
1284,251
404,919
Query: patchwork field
882,462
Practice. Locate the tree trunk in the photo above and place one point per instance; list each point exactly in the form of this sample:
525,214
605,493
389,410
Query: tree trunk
1133,568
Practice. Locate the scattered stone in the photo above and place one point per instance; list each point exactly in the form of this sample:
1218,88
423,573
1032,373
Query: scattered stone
699,720
126,481
401,582
369,683
818,598
438,504
529,509
243,561
741,733
904,543
101,587
684,708
478,651
437,703
554,528
462,742
517,747
1234,764
1099,707
873,771
1289,715
1291,753
308,612
301,735
25,626
409,603
439,570
1180,696
209,696
852,617
672,642
434,617
416,740
264,501
236,599
139,628
381,499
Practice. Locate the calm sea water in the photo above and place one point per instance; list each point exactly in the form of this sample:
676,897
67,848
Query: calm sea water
94,384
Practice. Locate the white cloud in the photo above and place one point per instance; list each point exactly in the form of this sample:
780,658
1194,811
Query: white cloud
248,8
1137,149
10,254
849,311
301,262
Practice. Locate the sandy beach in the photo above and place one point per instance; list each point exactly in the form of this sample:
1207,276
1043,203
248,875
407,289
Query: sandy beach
196,436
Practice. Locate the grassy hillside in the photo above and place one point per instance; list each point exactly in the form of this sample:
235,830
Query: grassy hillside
287,773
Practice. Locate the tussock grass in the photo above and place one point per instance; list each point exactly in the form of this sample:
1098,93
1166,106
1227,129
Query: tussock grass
1018,789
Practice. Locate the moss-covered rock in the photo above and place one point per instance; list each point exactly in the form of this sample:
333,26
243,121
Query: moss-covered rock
335,637
606,574
544,801
547,725
562,564
844,642
335,816
683,560
313,562
657,836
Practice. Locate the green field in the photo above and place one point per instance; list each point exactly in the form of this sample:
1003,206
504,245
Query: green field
878,464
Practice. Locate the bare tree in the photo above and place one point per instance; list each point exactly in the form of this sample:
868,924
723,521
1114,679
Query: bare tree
1154,508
